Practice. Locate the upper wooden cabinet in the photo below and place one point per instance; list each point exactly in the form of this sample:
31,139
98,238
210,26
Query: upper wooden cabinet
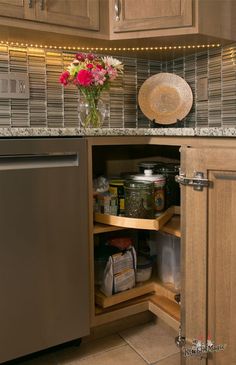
140,23
83,14
139,15
79,14
13,8
135,19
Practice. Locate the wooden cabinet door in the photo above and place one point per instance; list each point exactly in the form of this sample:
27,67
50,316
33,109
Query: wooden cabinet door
83,14
209,240
138,15
13,8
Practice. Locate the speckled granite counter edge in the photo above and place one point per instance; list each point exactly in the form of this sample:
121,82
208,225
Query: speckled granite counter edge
73,132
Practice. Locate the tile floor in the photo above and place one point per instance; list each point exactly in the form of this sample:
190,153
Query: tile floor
151,343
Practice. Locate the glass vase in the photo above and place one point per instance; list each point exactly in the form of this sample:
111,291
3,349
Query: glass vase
92,112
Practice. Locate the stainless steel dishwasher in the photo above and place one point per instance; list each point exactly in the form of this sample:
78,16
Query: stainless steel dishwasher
44,278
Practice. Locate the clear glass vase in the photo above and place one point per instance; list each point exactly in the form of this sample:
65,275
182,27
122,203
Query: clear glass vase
92,112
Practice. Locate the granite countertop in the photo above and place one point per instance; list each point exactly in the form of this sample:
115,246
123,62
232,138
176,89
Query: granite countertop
73,132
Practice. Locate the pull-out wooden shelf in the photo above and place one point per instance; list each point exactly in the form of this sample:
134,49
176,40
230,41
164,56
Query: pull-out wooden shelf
168,222
151,295
152,286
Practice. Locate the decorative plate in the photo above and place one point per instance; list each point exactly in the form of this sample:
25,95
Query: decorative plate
165,98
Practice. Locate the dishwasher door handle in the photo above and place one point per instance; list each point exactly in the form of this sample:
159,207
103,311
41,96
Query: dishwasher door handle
19,162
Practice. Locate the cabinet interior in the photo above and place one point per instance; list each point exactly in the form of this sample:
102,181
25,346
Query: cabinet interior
115,161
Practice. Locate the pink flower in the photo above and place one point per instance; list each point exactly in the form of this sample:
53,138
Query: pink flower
84,78
80,57
99,76
64,78
112,72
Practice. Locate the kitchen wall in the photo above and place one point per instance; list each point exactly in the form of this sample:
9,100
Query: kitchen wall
51,105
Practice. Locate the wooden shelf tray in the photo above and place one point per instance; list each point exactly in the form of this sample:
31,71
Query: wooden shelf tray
166,305
172,226
103,228
137,223
135,292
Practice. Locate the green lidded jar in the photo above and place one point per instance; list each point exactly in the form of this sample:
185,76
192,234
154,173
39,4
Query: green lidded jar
139,199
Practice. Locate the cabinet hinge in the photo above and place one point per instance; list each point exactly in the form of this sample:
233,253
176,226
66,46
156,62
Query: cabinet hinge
197,181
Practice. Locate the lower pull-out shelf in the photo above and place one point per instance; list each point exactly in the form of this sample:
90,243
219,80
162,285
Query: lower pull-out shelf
161,306
135,292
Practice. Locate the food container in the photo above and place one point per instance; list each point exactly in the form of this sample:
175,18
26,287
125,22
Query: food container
159,188
168,259
172,190
139,199
144,269
101,256
149,165
116,188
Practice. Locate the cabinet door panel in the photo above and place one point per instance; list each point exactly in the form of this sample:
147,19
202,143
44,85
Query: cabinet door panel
209,232
82,14
12,8
153,14
221,264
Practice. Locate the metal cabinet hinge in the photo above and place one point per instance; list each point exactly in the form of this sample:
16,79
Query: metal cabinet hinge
180,340
197,181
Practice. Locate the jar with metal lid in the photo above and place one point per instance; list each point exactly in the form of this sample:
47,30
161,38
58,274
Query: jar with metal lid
172,190
149,165
139,199
159,188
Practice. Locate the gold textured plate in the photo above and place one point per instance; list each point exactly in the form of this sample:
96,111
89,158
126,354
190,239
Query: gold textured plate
165,98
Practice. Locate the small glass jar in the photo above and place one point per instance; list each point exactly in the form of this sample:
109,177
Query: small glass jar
172,190
139,199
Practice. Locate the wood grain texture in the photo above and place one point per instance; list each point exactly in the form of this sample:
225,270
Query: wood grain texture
137,223
221,261
155,14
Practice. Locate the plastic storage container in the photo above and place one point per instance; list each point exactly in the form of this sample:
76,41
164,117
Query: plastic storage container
144,269
168,259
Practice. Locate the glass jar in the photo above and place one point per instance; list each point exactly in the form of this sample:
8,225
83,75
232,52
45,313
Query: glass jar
172,190
148,165
159,189
139,199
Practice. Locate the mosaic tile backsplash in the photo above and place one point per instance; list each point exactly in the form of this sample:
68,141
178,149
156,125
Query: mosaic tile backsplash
51,105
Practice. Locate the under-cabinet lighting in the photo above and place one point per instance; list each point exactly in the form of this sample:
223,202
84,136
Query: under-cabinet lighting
112,49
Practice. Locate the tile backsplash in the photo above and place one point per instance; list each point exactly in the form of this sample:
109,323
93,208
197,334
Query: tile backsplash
51,105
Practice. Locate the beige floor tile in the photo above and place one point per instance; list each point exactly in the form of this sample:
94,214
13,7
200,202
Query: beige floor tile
152,342
119,356
171,360
72,355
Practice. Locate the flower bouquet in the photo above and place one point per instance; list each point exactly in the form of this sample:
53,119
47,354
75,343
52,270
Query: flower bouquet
91,74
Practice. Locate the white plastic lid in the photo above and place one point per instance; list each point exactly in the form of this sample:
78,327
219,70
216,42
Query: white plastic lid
148,172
